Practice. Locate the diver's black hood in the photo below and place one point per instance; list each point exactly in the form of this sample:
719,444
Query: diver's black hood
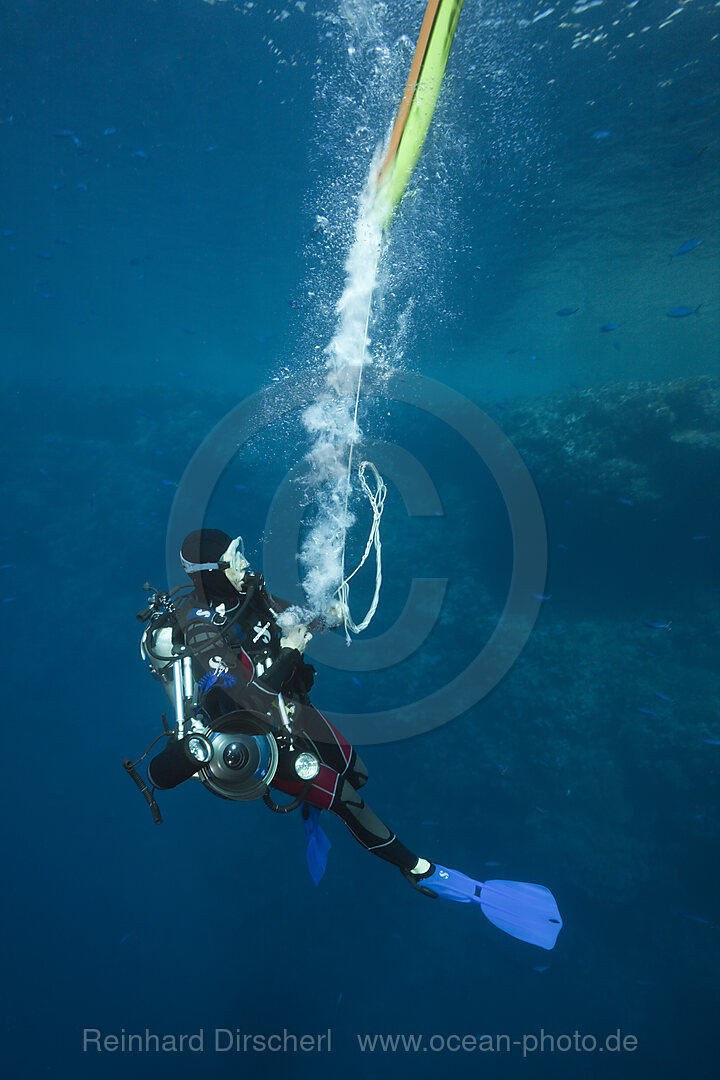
207,545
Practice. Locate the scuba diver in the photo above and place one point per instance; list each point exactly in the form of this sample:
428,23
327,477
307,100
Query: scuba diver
229,655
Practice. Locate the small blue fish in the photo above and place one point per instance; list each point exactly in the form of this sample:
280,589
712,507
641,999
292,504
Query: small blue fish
689,158
169,483
625,502
658,625
712,742
689,245
694,918
663,697
541,596
648,712
681,311
567,310
700,536
511,352
607,327
63,241
109,131
353,678
45,255
603,134
648,653
7,566
141,155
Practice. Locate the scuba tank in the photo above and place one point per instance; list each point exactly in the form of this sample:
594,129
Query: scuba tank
164,649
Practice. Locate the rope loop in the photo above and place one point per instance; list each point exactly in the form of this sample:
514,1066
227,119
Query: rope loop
376,498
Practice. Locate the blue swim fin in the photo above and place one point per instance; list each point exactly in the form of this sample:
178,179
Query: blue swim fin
525,911
318,844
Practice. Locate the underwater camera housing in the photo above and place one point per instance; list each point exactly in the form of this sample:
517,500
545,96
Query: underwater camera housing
235,759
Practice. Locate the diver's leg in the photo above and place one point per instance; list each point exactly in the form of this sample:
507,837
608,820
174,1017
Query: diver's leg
332,747
357,773
369,830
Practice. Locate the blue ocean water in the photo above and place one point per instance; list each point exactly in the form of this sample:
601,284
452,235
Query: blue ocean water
180,188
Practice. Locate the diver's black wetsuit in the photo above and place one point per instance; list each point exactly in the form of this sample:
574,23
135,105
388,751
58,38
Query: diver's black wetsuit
242,639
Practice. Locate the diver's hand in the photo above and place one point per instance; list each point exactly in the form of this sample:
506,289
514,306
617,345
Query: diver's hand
296,637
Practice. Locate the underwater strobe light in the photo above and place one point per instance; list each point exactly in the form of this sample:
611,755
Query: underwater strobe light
199,747
307,766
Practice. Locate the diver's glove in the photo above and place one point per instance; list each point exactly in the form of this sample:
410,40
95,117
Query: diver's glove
335,614
295,637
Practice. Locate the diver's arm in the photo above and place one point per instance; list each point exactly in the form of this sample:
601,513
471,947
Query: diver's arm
281,671
277,606
208,645
332,619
